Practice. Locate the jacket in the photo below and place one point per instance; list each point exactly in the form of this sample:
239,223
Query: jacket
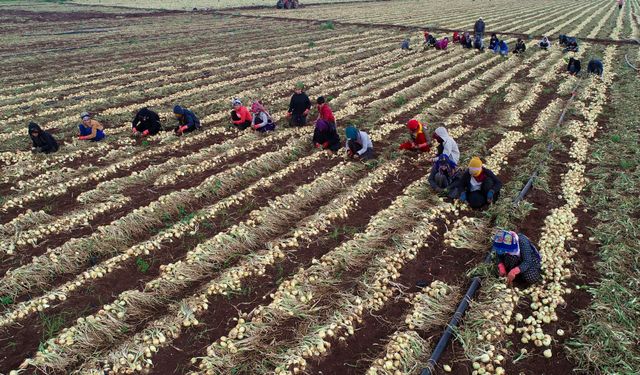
493,42
326,113
299,103
44,140
327,136
449,146
244,115
520,47
491,182
146,119
479,26
364,140
189,119
442,44
529,256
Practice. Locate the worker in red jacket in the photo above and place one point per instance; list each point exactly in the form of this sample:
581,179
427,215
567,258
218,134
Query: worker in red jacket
324,111
240,116
418,140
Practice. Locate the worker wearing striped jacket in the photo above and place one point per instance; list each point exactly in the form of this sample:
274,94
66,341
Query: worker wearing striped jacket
518,258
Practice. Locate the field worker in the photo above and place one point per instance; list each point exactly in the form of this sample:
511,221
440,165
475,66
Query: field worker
520,46
596,67
240,116
444,176
358,145
620,4
544,43
187,120
262,120
325,136
324,111
405,45
517,257
430,41
573,67
493,42
478,44
571,45
466,41
456,37
90,129
299,106
503,48
418,140
446,145
478,185
442,43
478,28
42,140
146,122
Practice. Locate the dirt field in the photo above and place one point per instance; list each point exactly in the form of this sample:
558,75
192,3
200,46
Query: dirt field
232,252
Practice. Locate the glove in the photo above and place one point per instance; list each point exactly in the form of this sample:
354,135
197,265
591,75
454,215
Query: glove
183,128
463,197
318,145
490,196
512,274
306,112
502,270
83,137
406,146
145,133
325,145
288,114
134,130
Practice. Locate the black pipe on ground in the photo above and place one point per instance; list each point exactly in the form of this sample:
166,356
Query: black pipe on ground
457,316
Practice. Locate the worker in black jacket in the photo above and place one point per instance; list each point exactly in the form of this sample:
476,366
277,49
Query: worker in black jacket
146,122
299,106
478,185
42,141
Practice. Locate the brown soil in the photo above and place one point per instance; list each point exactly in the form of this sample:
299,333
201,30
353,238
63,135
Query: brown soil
129,277
170,359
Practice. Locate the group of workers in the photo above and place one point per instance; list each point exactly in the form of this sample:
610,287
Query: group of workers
476,185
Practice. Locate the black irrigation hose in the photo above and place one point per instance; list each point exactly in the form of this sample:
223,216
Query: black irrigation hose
534,175
453,323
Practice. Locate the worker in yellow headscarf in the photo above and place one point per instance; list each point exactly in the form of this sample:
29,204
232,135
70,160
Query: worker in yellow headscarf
478,185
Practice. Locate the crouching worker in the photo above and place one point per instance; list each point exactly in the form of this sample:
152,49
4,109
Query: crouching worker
90,129
299,106
146,122
187,120
418,140
595,67
573,67
442,43
240,115
429,40
42,141
262,121
518,259
405,45
359,145
520,46
325,136
478,185
444,176
544,43
446,145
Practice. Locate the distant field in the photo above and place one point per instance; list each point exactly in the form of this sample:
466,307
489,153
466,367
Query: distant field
190,4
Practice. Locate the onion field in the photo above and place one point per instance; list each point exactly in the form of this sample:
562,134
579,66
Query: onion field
230,252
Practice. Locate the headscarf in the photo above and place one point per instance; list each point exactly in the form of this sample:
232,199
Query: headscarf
322,125
475,166
506,242
299,85
178,110
235,102
351,133
444,161
33,127
85,115
257,107
414,125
